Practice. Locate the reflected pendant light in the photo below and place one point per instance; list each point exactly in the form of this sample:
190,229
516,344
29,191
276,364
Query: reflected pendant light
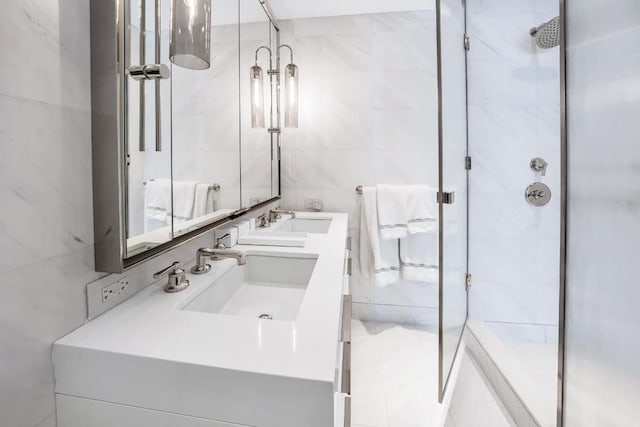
291,92
190,40
256,83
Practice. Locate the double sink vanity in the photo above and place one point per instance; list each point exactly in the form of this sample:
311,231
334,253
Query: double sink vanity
257,344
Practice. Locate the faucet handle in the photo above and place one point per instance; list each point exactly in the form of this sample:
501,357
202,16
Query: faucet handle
173,267
177,278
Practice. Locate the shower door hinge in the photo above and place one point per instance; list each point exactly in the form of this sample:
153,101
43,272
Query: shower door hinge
468,281
467,163
445,198
467,42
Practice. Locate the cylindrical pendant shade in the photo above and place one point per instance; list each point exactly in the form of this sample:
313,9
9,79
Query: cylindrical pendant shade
291,94
190,41
256,84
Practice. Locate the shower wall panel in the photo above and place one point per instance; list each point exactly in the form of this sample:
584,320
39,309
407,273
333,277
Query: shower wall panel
514,116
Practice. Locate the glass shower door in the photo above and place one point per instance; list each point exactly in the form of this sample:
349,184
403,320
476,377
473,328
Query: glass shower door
452,196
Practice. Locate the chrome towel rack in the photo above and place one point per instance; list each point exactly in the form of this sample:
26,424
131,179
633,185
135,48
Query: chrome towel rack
214,187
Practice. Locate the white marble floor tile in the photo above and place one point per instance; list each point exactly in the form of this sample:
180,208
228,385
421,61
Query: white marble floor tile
394,375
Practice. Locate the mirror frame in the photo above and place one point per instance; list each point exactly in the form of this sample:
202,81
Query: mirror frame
108,74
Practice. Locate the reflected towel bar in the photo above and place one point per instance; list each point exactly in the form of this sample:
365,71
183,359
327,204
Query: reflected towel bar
214,187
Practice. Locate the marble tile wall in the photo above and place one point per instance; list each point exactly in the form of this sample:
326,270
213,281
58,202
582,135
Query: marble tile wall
368,114
514,116
46,230
46,221
602,383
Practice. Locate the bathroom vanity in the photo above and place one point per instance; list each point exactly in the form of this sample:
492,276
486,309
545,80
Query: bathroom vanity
262,344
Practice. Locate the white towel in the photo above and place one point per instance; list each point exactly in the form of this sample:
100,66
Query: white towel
393,207
184,194
406,209
203,201
422,209
419,257
157,203
377,256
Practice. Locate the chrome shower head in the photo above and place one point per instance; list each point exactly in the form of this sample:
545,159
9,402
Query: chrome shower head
547,35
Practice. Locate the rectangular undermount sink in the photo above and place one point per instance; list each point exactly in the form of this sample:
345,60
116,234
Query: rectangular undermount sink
267,286
273,238
307,225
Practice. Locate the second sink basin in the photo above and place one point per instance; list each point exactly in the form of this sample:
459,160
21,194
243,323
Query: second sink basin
267,286
307,225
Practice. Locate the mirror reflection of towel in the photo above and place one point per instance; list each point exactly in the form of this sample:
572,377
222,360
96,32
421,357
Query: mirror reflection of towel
203,201
157,204
184,195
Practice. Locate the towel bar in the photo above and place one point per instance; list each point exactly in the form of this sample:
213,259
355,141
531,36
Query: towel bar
214,187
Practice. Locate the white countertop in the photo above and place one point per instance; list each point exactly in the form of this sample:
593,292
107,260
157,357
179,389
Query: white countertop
152,325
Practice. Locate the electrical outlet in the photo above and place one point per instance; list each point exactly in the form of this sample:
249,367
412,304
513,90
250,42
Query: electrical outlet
111,292
313,204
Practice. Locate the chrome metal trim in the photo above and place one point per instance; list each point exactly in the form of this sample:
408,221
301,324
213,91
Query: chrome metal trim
348,243
108,77
346,368
149,72
563,211
347,411
143,60
267,9
347,306
158,41
441,381
359,190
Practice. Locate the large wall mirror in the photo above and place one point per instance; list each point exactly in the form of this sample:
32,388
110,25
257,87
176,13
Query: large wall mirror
172,88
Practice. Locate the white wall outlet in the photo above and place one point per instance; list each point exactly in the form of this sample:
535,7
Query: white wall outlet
313,204
112,291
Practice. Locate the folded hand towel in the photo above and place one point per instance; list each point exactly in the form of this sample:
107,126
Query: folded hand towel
421,209
406,209
184,193
377,256
393,207
419,257
202,204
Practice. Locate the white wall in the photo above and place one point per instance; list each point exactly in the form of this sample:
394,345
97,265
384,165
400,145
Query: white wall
514,116
368,115
602,350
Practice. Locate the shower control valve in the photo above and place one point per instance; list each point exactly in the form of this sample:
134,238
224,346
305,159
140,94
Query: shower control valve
538,164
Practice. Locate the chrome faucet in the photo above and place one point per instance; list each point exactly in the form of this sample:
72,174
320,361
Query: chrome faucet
274,214
202,267
177,279
263,221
